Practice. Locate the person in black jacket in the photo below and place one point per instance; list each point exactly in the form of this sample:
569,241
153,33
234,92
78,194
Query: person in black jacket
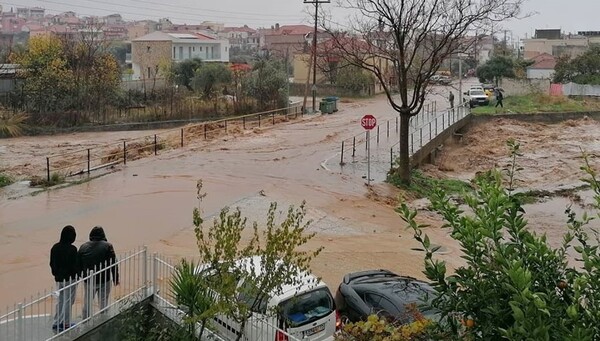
63,262
97,256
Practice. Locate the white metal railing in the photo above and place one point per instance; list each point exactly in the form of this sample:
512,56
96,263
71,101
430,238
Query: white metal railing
258,328
141,276
39,318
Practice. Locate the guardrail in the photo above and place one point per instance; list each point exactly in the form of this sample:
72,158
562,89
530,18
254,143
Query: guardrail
86,160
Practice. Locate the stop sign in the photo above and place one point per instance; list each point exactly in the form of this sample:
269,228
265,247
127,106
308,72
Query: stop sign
368,122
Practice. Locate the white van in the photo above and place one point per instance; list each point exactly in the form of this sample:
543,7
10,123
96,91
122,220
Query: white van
304,312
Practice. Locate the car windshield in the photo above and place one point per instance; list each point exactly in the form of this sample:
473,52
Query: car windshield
476,93
307,307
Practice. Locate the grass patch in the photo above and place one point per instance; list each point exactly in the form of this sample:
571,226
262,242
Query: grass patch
422,185
5,180
535,103
536,195
55,179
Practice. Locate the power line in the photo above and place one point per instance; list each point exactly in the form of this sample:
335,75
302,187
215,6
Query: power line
138,14
217,11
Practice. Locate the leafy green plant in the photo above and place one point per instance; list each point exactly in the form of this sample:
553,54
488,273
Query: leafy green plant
193,295
5,180
376,328
514,285
276,251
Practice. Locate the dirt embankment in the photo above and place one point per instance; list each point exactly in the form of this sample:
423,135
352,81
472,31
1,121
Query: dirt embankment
551,153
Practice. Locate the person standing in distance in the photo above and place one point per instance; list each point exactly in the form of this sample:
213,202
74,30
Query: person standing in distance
98,255
499,98
64,266
451,100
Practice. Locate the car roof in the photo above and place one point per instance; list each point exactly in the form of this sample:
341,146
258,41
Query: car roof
304,283
386,283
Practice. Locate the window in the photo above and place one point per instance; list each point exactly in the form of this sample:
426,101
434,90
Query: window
249,296
174,51
307,307
180,52
189,52
200,48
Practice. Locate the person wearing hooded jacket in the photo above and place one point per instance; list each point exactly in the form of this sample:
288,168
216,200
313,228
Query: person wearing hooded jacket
97,255
64,266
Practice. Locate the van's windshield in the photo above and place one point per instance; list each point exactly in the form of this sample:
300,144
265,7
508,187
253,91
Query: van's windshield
307,307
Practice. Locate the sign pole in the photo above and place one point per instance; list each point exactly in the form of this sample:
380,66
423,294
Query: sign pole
368,158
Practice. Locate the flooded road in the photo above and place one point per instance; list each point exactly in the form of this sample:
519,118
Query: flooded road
150,201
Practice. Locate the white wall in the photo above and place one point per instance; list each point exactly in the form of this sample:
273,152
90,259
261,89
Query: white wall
540,73
217,51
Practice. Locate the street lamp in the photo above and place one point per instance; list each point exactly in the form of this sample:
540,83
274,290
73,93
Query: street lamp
314,50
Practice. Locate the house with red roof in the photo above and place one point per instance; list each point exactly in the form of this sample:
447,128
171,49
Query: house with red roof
543,67
288,40
243,38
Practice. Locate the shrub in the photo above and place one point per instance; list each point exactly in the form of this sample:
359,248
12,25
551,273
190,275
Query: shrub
514,285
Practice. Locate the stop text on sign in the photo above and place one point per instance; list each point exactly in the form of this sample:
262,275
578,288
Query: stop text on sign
368,122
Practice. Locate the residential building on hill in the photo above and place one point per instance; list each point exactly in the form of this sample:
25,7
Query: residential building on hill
543,67
243,38
150,51
287,40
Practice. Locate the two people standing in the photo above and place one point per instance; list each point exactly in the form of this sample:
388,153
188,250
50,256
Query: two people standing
68,264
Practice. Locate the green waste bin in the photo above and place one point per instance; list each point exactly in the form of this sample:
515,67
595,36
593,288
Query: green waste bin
333,100
326,107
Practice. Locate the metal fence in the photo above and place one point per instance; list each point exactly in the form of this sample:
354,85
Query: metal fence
84,161
141,276
45,316
384,138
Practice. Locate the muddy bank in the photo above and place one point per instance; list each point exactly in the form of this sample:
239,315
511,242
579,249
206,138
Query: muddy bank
551,160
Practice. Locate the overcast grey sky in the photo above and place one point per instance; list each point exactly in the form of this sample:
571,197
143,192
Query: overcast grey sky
571,16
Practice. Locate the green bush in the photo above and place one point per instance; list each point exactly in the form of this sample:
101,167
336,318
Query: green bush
5,180
514,285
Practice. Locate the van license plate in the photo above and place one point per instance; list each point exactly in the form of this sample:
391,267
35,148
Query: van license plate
314,330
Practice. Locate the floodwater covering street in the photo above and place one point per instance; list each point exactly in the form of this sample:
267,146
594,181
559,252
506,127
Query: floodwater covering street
150,201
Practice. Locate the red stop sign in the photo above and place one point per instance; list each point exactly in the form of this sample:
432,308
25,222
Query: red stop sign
368,122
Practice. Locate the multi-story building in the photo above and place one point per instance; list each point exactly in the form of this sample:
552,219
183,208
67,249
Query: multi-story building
242,38
288,40
31,13
555,43
152,50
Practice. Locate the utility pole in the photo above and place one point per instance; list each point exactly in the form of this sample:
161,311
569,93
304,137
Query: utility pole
314,49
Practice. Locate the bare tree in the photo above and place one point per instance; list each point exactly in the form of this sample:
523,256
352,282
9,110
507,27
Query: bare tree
404,43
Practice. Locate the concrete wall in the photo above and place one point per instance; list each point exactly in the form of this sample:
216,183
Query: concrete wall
518,87
147,56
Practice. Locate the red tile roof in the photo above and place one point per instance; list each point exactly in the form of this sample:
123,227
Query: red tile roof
548,64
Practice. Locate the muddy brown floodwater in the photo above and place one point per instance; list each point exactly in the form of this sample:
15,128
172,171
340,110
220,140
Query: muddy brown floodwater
150,201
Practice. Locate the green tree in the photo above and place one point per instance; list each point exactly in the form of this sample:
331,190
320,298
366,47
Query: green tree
184,72
353,78
268,84
496,68
210,77
583,69
514,285
276,251
45,67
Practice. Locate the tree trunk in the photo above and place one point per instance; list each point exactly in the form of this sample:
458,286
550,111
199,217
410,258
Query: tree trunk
403,170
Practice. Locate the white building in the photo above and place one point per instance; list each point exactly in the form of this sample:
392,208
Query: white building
150,50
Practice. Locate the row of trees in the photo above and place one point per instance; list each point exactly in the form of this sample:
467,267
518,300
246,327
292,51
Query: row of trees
62,75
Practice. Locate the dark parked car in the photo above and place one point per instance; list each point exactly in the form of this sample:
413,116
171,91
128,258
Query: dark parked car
384,293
